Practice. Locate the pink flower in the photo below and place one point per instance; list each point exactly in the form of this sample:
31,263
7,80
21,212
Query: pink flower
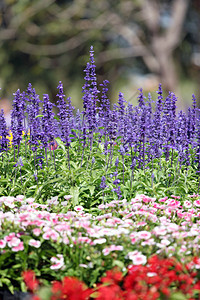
65,240
194,195
78,208
106,251
52,234
20,247
116,248
58,262
101,206
131,254
9,237
173,202
146,199
175,197
139,259
36,231
9,201
34,243
187,204
30,200
145,235
84,239
20,197
14,242
163,199
197,203
2,244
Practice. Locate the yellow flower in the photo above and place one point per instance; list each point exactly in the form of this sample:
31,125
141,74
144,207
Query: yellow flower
10,137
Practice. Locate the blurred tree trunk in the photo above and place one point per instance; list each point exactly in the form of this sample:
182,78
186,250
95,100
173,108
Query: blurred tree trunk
164,43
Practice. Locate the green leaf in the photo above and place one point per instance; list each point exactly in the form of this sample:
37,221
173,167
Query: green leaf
91,188
39,116
45,293
5,281
178,296
74,191
23,286
118,263
60,143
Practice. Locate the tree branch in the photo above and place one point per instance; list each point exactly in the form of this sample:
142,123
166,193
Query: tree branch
173,34
57,49
120,53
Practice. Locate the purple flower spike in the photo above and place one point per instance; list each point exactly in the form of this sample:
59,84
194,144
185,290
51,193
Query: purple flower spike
63,115
3,133
17,117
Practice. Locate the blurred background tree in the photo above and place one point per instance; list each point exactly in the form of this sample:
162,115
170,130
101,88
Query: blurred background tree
137,43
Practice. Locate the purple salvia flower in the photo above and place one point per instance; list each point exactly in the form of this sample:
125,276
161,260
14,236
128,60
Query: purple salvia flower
169,125
182,138
70,114
121,106
142,134
174,100
121,115
117,162
89,89
70,108
193,120
156,136
198,150
131,121
85,88
3,133
159,102
63,115
141,98
148,129
112,126
90,96
103,183
104,107
47,122
117,189
33,110
91,114
191,127
17,117
93,89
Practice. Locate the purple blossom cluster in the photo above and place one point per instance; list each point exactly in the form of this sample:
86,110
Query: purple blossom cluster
142,133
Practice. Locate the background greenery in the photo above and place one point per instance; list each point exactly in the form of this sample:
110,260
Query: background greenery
137,44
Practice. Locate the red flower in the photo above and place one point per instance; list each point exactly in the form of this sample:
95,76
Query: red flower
70,288
110,292
30,280
113,276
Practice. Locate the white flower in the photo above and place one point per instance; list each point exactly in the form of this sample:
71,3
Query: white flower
67,197
99,241
58,262
34,243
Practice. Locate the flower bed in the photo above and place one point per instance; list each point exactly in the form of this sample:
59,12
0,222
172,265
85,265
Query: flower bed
102,188
54,241
159,279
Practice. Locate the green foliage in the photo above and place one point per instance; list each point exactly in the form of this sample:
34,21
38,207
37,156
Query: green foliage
81,178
